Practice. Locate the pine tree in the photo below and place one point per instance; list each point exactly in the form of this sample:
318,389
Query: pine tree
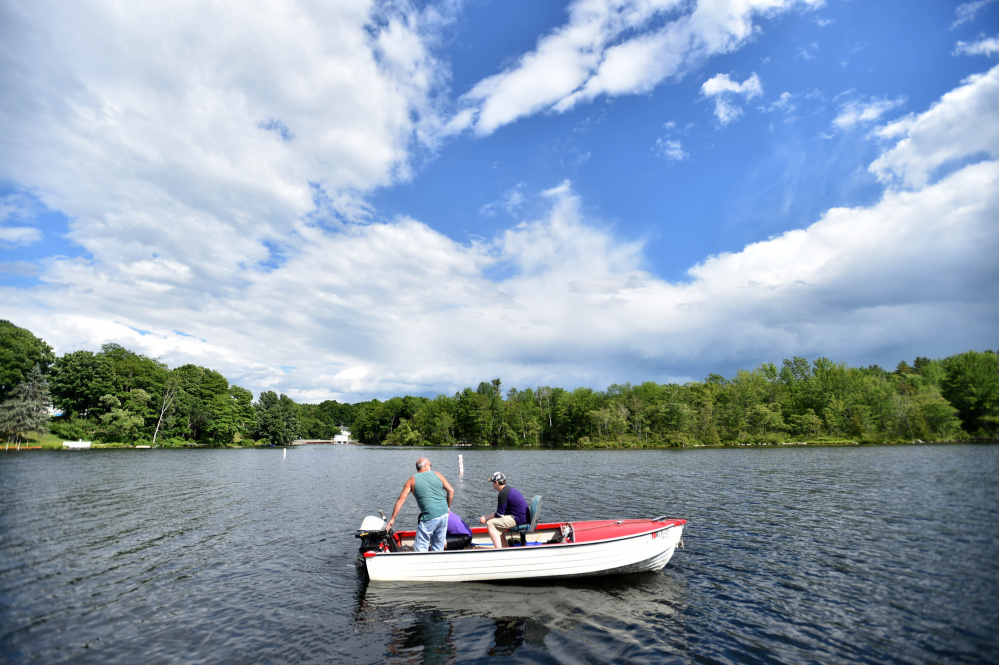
27,408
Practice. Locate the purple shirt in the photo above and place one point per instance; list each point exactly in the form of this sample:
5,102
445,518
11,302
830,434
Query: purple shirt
514,505
456,526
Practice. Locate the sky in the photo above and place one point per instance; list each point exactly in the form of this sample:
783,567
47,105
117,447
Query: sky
362,199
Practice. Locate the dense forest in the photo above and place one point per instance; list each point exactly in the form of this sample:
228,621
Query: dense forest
118,396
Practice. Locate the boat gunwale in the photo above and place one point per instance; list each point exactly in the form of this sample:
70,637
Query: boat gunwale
673,523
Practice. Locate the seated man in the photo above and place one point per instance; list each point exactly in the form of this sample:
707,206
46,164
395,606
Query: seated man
459,536
511,510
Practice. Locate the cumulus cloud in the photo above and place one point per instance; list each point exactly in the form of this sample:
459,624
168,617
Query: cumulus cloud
190,132
221,235
407,310
987,46
723,89
962,125
393,308
613,47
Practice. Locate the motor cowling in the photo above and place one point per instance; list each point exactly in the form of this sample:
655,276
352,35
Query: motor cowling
375,536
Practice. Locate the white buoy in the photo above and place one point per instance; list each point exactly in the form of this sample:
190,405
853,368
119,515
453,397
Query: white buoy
461,466
285,454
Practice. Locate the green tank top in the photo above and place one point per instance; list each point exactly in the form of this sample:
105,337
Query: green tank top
430,495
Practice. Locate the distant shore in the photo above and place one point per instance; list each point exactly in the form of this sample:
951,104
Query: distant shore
58,445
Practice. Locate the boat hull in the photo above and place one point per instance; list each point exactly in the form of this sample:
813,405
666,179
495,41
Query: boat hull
601,548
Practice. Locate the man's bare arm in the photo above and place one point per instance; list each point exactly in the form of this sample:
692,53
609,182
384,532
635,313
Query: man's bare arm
406,489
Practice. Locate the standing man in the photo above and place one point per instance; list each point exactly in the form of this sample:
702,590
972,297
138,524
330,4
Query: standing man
433,495
511,510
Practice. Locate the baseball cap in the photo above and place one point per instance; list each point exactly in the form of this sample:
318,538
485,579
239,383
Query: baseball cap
498,478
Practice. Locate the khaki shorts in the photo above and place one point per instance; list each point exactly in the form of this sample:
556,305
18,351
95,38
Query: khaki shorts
501,523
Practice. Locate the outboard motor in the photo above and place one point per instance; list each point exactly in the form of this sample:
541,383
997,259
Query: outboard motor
375,536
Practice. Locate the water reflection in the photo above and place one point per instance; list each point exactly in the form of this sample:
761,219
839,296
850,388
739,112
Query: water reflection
444,623
510,634
427,641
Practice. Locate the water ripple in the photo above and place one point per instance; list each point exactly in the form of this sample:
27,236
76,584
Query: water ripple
835,555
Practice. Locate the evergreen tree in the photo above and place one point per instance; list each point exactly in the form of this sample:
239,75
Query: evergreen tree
27,408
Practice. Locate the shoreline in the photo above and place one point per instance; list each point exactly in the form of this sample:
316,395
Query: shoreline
795,444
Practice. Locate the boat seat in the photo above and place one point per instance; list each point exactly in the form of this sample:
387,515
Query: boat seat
533,512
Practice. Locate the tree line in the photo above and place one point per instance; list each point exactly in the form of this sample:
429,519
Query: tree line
116,395
798,400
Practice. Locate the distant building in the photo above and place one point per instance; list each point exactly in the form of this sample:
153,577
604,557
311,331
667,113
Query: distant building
342,437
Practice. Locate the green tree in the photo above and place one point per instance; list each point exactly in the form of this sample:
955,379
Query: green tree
202,399
134,371
276,418
123,420
19,352
405,435
245,418
609,422
940,417
971,385
474,416
364,427
436,421
523,416
79,380
26,409
805,424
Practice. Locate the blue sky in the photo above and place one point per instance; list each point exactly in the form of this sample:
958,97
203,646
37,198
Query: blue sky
371,199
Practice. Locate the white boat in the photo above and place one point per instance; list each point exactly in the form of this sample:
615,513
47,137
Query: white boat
550,551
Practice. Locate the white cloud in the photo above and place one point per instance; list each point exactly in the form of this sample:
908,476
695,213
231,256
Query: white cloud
722,88
19,268
858,112
398,308
967,11
962,125
190,131
613,47
511,202
987,46
808,52
785,103
721,84
670,150
192,187
19,235
14,207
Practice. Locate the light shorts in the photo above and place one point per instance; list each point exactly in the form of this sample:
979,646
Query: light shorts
501,523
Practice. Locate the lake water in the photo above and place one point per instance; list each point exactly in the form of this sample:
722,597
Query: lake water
792,555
